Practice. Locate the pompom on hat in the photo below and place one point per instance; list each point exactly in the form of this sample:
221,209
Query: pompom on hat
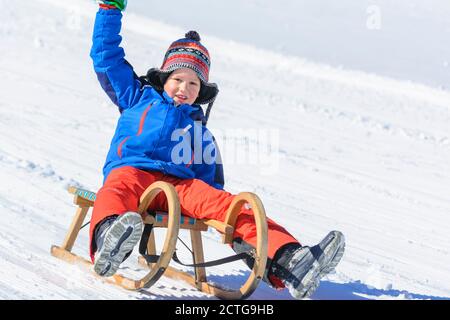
187,52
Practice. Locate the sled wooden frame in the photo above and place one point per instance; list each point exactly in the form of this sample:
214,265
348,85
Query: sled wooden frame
85,199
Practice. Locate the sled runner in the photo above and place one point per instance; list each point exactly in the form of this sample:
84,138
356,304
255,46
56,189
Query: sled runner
173,220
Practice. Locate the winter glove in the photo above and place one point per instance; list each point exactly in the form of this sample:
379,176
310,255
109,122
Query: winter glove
119,4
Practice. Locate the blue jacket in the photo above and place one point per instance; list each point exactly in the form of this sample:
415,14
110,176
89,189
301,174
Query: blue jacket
151,134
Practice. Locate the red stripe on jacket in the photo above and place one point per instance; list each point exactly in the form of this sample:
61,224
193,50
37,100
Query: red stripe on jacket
141,123
141,127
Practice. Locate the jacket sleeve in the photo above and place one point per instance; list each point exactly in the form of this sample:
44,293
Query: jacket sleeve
114,73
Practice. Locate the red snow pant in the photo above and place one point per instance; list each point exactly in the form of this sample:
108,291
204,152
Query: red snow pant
124,186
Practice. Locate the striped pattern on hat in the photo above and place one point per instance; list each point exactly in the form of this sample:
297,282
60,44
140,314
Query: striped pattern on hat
188,53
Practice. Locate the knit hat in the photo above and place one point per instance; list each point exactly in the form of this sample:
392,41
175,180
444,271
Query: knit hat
189,53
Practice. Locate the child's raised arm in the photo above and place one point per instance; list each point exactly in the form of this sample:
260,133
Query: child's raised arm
115,74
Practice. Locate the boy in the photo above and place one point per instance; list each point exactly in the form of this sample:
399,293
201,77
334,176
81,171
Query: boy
153,108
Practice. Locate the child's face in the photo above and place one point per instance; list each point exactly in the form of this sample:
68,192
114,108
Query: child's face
183,86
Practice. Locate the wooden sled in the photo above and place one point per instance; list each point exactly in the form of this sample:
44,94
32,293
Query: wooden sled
173,221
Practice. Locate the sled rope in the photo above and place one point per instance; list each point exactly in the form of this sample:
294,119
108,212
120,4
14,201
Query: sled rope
185,245
84,225
212,263
154,257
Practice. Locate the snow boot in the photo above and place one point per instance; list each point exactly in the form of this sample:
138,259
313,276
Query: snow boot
115,239
301,268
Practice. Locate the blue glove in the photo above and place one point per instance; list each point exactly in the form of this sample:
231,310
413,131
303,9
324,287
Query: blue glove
119,4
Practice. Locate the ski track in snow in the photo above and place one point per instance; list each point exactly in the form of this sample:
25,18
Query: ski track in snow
359,153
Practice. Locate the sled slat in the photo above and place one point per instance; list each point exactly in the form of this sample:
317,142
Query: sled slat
222,227
197,248
205,287
161,222
83,198
74,228
81,202
116,279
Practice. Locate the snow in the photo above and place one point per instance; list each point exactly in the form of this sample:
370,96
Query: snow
355,145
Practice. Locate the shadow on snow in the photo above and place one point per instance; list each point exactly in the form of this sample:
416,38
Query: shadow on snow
327,291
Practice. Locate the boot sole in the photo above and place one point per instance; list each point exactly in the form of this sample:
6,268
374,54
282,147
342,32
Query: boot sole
120,239
332,253
335,249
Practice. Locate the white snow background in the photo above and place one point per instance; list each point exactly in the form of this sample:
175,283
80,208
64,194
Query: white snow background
355,94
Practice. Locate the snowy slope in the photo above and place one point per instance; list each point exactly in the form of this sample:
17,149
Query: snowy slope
351,151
